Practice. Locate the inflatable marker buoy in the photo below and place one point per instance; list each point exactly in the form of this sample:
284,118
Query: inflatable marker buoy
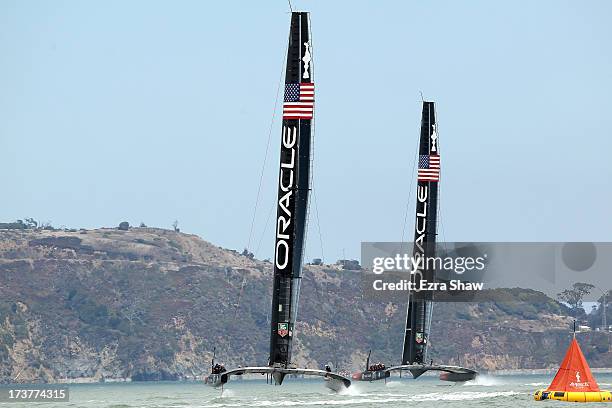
573,396
574,381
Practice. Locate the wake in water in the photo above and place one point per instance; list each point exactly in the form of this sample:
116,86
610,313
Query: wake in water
497,392
354,389
375,399
485,381
462,396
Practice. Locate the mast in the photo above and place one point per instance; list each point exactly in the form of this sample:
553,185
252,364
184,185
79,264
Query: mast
293,190
418,318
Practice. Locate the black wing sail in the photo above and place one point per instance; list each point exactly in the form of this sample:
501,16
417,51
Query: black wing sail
420,304
291,216
293,190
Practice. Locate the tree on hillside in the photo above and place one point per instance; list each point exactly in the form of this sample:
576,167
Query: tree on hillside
31,223
597,318
13,225
47,226
574,296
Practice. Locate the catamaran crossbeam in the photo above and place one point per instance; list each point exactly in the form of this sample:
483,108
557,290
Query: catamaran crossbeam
336,381
447,373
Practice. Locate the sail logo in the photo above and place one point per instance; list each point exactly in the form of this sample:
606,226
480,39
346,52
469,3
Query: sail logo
420,228
283,329
579,384
306,59
434,137
286,181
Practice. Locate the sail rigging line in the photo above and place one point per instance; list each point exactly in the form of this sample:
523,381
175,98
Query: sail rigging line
265,229
439,220
263,166
312,148
240,296
438,211
229,341
414,161
316,207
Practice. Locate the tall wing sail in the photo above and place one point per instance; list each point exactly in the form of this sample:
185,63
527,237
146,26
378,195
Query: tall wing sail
418,319
293,190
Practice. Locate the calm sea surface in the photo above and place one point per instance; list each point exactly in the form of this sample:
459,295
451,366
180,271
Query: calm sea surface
487,391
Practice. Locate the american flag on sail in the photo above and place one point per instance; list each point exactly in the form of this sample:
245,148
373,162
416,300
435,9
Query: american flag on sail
429,167
299,101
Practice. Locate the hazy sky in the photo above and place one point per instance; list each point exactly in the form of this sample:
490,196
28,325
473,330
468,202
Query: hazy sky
154,111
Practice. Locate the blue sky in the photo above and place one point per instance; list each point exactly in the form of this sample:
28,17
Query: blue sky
154,111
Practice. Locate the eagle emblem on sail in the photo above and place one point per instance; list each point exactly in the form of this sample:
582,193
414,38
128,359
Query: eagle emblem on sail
283,329
306,59
434,138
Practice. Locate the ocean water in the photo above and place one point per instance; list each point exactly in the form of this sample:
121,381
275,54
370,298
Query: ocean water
487,391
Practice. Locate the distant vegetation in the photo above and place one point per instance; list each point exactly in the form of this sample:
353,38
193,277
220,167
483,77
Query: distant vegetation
349,264
28,223
574,297
32,224
248,254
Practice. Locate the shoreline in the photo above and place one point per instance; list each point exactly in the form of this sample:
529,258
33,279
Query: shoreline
197,379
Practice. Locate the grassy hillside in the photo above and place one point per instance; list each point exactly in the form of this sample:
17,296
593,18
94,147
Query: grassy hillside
151,304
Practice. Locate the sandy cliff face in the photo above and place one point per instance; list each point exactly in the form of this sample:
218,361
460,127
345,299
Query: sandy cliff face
151,304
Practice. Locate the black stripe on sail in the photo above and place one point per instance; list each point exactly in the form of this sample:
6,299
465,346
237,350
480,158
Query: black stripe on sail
292,203
419,304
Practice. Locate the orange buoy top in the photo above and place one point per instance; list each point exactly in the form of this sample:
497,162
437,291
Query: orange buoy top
574,373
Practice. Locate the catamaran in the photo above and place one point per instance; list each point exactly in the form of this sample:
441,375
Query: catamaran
420,303
292,211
